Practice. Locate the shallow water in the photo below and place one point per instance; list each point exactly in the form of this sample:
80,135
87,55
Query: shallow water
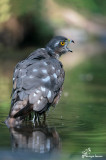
76,127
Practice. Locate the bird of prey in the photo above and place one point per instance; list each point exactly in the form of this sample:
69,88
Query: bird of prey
38,81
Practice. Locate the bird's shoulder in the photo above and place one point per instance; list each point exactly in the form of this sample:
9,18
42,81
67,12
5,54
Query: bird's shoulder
36,55
38,58
39,69
35,73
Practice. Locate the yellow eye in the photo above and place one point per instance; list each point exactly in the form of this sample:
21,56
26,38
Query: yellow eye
62,43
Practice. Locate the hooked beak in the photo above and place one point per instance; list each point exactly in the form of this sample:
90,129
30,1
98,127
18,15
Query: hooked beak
70,41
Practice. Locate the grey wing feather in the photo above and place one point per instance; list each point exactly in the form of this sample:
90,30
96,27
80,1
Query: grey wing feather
36,74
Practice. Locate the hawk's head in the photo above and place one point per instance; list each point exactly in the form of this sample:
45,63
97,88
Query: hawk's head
58,46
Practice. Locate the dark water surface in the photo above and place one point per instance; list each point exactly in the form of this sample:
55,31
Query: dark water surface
76,127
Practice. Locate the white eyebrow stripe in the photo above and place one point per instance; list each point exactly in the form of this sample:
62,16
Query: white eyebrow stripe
49,95
54,75
56,44
46,79
44,70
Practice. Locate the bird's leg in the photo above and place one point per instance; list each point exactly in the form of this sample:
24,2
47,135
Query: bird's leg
34,117
44,118
24,118
30,116
38,118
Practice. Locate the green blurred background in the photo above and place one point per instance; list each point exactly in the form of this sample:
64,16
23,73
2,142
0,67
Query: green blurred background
26,25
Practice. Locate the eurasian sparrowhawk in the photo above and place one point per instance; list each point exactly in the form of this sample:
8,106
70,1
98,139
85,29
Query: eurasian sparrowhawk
38,80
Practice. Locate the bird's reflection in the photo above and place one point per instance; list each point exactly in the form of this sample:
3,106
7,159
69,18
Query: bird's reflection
39,139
